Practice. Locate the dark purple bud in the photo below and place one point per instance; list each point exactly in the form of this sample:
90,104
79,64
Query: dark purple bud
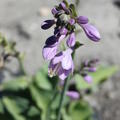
54,11
71,40
63,31
47,24
49,52
73,95
88,78
82,20
51,41
91,32
72,21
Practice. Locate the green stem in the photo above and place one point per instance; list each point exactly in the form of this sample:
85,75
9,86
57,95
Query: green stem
21,66
62,98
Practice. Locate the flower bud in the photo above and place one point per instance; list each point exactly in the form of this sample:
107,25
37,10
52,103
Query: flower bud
88,78
47,24
54,11
73,95
82,20
91,32
71,40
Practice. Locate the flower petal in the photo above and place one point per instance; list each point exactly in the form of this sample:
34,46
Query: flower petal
67,60
71,40
58,58
49,52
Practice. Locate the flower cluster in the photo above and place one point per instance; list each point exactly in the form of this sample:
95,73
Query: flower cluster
64,22
88,67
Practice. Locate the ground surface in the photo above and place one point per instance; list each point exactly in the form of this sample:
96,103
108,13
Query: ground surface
20,20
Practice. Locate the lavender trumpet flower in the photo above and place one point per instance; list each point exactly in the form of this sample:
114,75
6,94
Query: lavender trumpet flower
61,65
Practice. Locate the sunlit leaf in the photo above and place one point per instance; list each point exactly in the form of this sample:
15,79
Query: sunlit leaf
41,79
80,110
33,111
12,108
40,98
15,85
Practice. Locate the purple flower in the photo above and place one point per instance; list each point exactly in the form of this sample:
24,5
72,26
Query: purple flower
82,20
73,95
47,24
71,40
61,65
91,32
88,78
50,48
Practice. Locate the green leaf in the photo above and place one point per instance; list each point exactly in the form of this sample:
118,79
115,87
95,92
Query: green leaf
72,8
40,98
78,44
55,104
98,77
15,85
65,115
1,107
12,108
80,110
33,111
22,103
41,79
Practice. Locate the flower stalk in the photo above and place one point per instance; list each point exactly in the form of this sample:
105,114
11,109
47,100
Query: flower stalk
65,87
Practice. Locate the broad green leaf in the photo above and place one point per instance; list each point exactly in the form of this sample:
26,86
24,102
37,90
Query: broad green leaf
12,108
41,79
22,103
15,85
98,77
80,110
40,99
